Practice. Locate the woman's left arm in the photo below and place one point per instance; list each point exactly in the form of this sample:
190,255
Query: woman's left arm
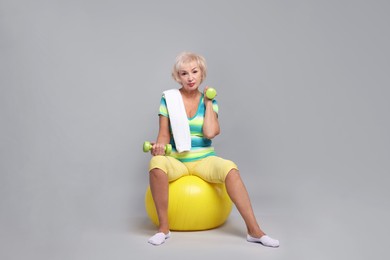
211,124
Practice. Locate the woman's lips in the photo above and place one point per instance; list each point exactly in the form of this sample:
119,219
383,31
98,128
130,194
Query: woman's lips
191,84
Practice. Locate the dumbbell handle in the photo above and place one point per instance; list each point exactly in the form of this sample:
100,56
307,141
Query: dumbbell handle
148,146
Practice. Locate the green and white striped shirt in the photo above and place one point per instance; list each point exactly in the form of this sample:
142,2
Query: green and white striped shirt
201,147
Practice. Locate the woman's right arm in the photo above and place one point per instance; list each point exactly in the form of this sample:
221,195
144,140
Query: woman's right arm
163,137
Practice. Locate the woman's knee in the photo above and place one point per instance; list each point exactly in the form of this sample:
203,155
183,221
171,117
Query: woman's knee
157,171
158,162
233,174
158,159
158,175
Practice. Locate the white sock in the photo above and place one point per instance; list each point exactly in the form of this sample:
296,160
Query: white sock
264,240
159,238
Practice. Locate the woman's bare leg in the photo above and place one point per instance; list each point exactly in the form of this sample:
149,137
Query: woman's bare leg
159,184
239,195
158,181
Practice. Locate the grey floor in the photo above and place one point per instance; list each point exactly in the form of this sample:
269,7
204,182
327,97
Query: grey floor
322,227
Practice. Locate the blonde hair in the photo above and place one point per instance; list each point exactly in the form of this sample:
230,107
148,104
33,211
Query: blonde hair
187,57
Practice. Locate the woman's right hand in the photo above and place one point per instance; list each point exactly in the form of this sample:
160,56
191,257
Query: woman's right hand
158,149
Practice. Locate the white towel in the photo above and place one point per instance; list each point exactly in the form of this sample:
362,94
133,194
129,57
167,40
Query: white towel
178,119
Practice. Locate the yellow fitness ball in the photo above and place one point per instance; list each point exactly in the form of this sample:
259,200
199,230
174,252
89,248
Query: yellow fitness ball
194,204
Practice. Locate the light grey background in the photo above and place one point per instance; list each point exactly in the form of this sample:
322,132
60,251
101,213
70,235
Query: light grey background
303,88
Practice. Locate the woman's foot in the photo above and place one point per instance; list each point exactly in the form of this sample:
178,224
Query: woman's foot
264,240
159,238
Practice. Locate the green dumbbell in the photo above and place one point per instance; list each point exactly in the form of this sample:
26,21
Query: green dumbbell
211,93
148,146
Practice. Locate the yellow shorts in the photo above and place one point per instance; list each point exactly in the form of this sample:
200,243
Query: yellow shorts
211,169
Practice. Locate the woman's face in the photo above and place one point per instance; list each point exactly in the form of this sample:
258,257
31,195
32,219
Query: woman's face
190,76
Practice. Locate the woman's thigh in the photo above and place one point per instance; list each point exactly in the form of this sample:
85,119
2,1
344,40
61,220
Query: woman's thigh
212,169
171,166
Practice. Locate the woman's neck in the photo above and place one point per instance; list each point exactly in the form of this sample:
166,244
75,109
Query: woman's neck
189,94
